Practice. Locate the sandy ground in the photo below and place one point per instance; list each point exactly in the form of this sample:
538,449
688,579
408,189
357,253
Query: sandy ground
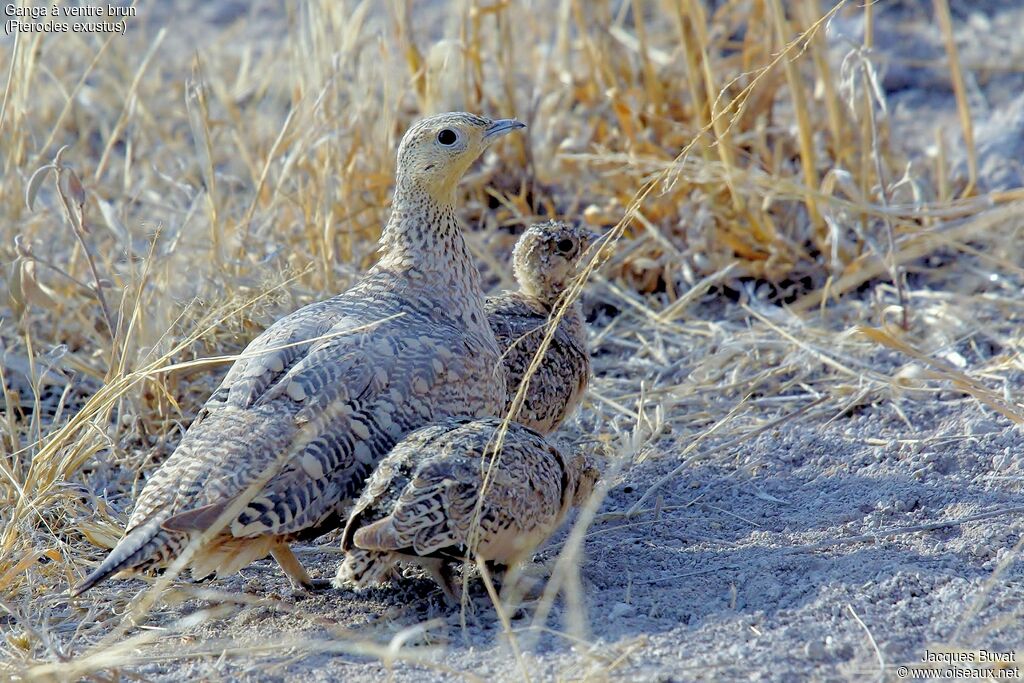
795,554
837,545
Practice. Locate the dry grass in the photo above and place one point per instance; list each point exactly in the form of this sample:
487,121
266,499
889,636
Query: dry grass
202,195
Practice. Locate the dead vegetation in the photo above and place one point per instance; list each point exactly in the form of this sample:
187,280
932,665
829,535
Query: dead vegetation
732,150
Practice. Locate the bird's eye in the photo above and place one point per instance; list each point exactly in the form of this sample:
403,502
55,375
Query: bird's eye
565,245
447,137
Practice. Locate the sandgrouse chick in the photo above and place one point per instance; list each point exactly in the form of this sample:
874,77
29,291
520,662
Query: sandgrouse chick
423,503
287,440
544,261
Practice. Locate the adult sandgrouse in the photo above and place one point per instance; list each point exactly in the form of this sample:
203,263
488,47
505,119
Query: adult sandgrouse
543,261
287,440
427,502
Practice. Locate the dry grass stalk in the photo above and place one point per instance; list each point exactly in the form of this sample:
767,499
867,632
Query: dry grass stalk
963,110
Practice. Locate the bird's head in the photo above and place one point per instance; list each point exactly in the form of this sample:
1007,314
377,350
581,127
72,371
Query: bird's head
436,151
546,256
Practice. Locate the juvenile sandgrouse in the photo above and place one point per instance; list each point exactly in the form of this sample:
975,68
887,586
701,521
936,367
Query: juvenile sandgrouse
543,261
285,443
423,503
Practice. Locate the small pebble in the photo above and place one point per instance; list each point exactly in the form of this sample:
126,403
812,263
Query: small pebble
815,649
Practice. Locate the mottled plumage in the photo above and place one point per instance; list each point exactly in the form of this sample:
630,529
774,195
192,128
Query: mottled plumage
544,261
423,502
324,393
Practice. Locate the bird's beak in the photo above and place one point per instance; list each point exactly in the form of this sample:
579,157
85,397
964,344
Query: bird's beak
501,127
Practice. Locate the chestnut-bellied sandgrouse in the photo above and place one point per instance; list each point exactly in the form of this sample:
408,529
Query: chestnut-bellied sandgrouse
442,496
544,261
287,440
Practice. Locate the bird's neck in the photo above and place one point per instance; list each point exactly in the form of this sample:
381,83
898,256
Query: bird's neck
423,240
544,292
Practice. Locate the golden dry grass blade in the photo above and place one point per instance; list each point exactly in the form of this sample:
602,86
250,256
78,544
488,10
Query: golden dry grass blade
960,91
943,370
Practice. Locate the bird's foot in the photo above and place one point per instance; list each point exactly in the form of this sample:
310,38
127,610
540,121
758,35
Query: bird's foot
524,583
306,589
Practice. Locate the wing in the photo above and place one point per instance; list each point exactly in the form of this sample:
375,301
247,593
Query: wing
215,462
275,351
437,511
358,396
513,316
519,326
305,424
264,413
557,386
393,474
421,522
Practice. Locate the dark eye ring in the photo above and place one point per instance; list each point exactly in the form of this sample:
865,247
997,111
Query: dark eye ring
565,245
447,137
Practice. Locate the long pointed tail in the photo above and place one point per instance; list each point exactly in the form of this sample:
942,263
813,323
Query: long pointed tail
144,545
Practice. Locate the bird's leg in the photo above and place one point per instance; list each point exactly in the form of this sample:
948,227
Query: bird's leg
508,577
519,583
496,571
297,574
441,572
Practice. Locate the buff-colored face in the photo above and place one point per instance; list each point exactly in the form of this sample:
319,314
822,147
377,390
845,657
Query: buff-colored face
546,256
437,151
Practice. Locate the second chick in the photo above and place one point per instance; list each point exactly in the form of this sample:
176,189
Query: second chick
544,261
